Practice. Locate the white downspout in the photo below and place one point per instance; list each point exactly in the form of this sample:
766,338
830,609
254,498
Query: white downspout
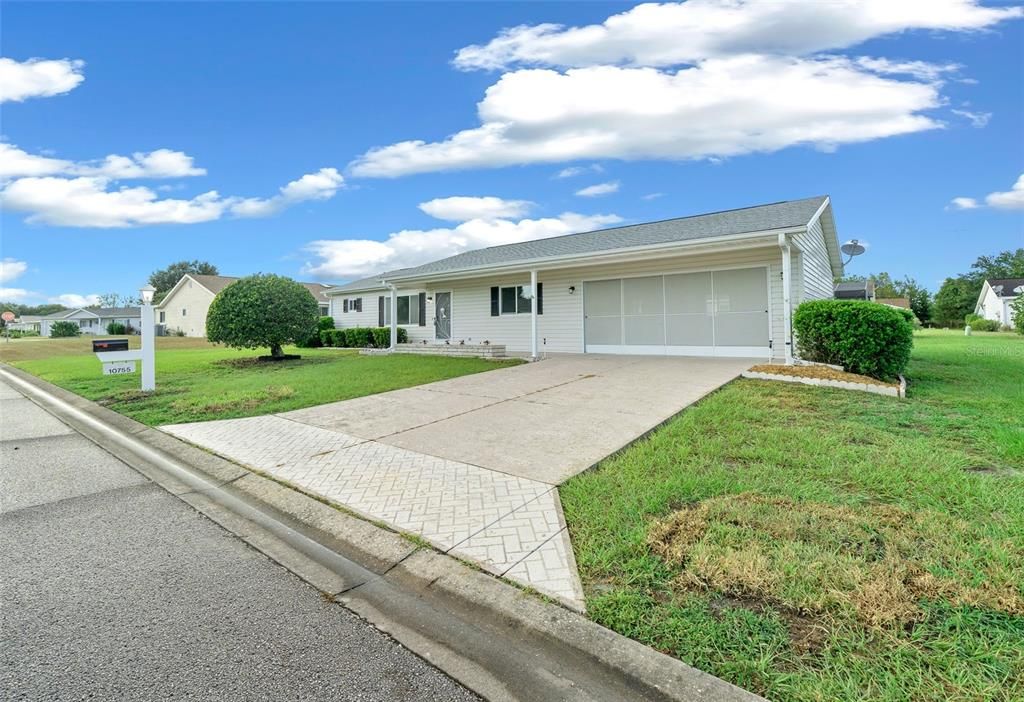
394,316
533,316
787,287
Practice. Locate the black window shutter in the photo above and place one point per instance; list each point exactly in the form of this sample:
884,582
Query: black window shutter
423,309
494,302
344,305
380,311
540,298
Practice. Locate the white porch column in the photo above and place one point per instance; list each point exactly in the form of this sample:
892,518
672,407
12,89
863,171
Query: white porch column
148,348
787,297
394,318
533,316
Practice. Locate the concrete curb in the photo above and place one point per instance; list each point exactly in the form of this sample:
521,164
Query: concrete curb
609,666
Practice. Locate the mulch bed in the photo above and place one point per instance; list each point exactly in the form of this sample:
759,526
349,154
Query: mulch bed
822,372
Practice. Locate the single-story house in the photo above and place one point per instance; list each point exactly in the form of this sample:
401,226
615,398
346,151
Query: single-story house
855,290
94,320
26,323
719,284
996,296
184,308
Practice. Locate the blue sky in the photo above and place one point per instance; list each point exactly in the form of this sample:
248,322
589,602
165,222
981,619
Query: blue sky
675,110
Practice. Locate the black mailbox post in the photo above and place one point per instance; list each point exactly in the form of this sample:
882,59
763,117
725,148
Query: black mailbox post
102,345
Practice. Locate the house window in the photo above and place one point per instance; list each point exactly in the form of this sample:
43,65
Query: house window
323,311
408,309
513,302
183,311
354,304
163,316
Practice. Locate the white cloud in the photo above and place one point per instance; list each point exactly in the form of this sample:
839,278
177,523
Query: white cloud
573,171
90,202
977,119
1011,200
75,300
599,189
652,196
963,203
462,209
356,258
11,269
724,107
38,78
162,163
671,34
321,185
14,294
694,80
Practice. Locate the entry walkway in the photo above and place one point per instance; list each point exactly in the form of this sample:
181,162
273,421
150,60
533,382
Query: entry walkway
472,464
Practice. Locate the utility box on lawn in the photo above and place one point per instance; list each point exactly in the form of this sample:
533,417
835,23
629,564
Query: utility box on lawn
104,345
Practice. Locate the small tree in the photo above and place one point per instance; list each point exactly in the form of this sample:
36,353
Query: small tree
117,328
64,329
262,311
1017,306
166,278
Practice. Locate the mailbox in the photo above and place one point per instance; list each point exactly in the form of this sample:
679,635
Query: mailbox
103,345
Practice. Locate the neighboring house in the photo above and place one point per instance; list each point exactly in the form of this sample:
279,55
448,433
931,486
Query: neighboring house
995,298
94,320
26,323
894,302
855,290
184,308
720,284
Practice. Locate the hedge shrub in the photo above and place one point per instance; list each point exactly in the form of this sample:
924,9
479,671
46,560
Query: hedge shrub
64,329
362,337
862,337
316,340
979,323
117,328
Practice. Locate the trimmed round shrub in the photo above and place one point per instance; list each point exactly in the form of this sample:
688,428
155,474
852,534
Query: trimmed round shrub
862,337
64,329
262,311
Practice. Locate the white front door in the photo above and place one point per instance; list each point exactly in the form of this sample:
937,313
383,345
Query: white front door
708,313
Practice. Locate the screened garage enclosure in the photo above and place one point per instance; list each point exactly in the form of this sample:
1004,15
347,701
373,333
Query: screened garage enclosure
711,313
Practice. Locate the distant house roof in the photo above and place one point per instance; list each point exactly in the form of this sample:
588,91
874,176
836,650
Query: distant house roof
116,311
1006,287
59,315
894,302
216,283
747,220
854,290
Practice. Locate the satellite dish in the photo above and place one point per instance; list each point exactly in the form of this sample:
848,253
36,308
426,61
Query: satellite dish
853,248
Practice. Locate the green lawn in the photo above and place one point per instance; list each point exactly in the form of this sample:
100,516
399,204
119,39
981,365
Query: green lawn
198,381
815,544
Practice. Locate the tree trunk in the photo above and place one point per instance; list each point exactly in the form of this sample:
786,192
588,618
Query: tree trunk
276,351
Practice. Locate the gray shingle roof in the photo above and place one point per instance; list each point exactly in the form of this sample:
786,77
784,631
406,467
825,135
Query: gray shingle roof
779,215
1006,286
116,311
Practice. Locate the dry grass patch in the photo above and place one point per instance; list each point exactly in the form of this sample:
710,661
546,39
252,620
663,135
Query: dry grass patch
874,563
242,402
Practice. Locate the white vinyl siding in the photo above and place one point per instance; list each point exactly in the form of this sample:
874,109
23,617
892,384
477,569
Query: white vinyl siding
369,316
812,272
186,309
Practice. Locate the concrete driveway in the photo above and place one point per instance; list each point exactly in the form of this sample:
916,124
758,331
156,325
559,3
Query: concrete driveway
545,421
472,464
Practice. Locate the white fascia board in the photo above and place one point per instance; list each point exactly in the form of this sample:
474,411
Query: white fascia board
831,237
767,237
334,292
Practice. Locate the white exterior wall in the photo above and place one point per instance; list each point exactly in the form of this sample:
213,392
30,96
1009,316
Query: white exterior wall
195,300
812,272
369,317
993,307
560,327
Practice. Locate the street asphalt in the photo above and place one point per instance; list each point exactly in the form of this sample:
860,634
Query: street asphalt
112,589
